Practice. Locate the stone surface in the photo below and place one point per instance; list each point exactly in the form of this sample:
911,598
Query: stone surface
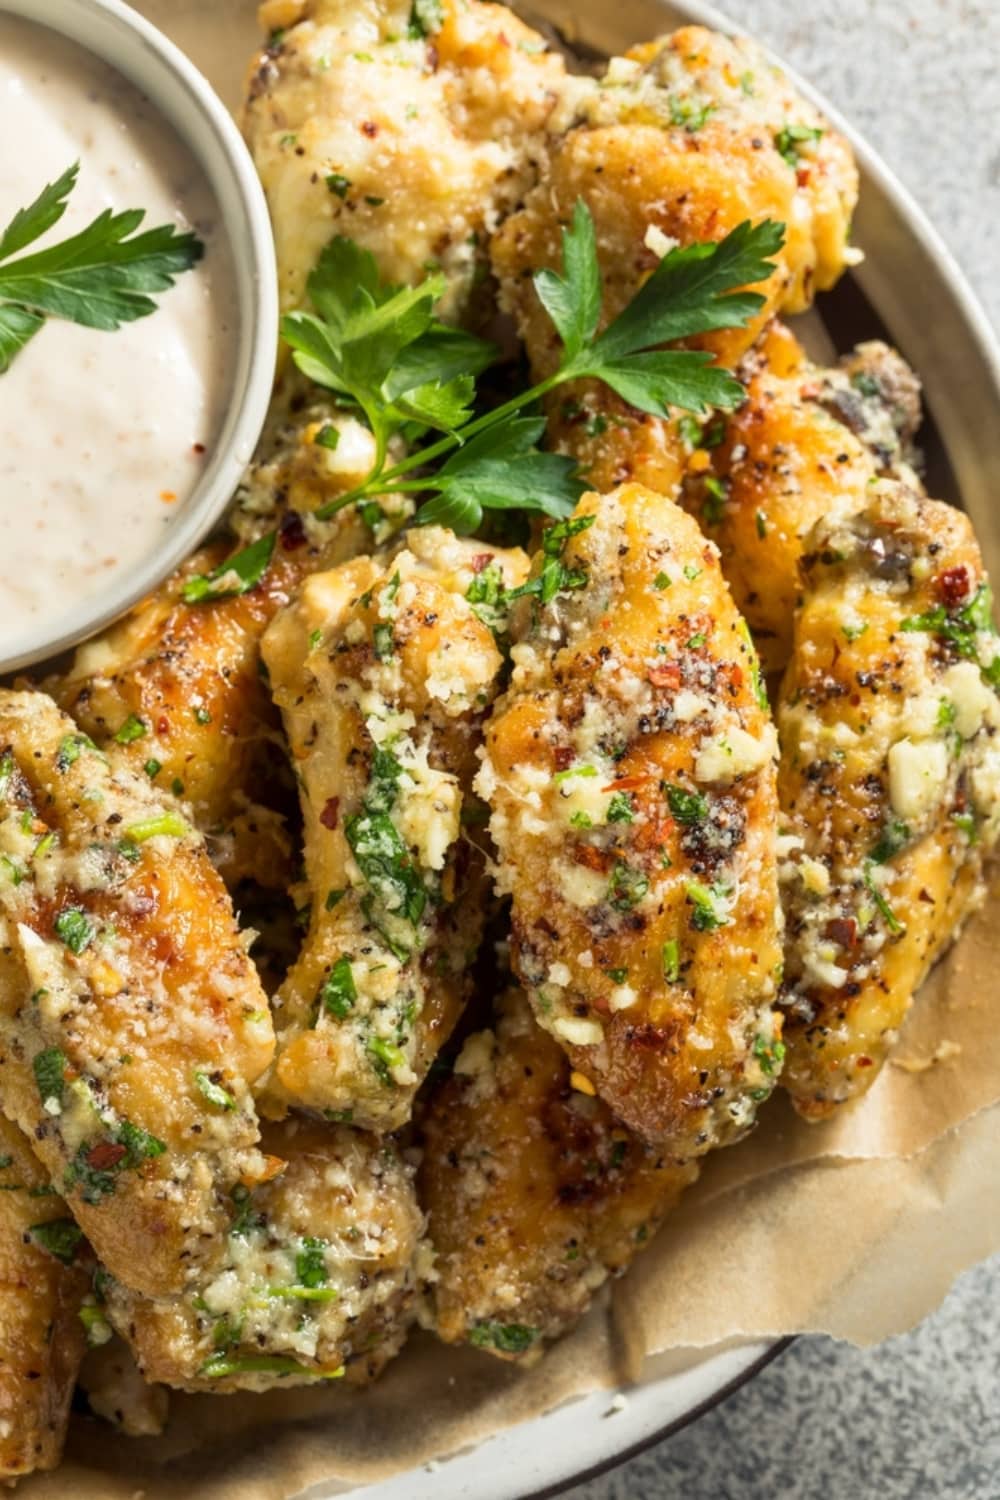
920,1415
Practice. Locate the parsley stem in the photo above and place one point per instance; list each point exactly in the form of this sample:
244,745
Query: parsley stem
380,481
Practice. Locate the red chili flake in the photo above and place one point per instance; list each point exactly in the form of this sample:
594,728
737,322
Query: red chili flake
197,447
163,725
562,757
626,783
953,586
481,561
591,858
104,1155
330,816
843,931
369,128
665,674
865,1062
292,531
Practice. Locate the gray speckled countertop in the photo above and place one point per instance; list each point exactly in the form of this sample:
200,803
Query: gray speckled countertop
920,1415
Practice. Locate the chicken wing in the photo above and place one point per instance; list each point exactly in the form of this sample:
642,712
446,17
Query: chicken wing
42,1286
131,1020
316,1279
383,672
535,1194
411,129
805,439
630,772
176,687
889,780
681,141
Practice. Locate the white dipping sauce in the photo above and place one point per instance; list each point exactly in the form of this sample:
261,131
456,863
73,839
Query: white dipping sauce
103,436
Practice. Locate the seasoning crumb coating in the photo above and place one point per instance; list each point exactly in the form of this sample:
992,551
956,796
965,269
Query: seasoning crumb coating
43,1281
176,687
411,130
805,439
889,779
681,141
630,769
383,671
132,1022
535,1194
316,1280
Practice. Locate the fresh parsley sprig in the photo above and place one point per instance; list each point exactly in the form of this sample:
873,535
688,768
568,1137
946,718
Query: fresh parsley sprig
381,350
101,277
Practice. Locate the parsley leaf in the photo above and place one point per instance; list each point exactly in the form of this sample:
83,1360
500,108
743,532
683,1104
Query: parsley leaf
102,277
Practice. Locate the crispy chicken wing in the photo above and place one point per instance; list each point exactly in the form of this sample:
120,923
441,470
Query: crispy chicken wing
317,1277
176,686
535,1193
42,1287
116,1390
889,781
681,141
411,130
630,772
805,439
383,672
131,1020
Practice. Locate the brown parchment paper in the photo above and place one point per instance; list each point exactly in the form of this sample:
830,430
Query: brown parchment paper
855,1228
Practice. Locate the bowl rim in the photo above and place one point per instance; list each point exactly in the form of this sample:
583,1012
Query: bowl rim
192,110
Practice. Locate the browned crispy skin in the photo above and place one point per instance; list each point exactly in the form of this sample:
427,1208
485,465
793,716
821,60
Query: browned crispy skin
681,143
630,773
319,1281
412,139
383,673
131,1020
177,686
41,1335
535,1193
889,781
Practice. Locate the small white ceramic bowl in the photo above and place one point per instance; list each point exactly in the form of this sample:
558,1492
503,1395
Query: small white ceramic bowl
121,37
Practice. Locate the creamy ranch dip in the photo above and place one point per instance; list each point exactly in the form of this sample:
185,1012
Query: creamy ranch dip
103,436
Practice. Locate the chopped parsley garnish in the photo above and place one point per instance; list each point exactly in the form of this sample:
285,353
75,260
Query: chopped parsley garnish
687,807
101,277
386,864
894,837
714,507
133,729
382,640
946,715
60,1237
791,138
168,825
508,1338
74,928
620,808
555,578
662,581
961,627
854,632
220,1365
384,1056
212,1091
561,776
626,887
426,17
691,572
760,520
201,714
153,768
671,958
247,1219
310,1263
70,749
770,1055
617,976
709,906
49,1068
888,915
338,183
334,898
238,575
338,992
96,1165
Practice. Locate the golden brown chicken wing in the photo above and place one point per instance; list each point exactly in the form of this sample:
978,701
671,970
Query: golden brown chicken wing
131,1020
889,782
410,129
176,686
43,1281
316,1279
804,440
630,770
383,672
681,141
535,1194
